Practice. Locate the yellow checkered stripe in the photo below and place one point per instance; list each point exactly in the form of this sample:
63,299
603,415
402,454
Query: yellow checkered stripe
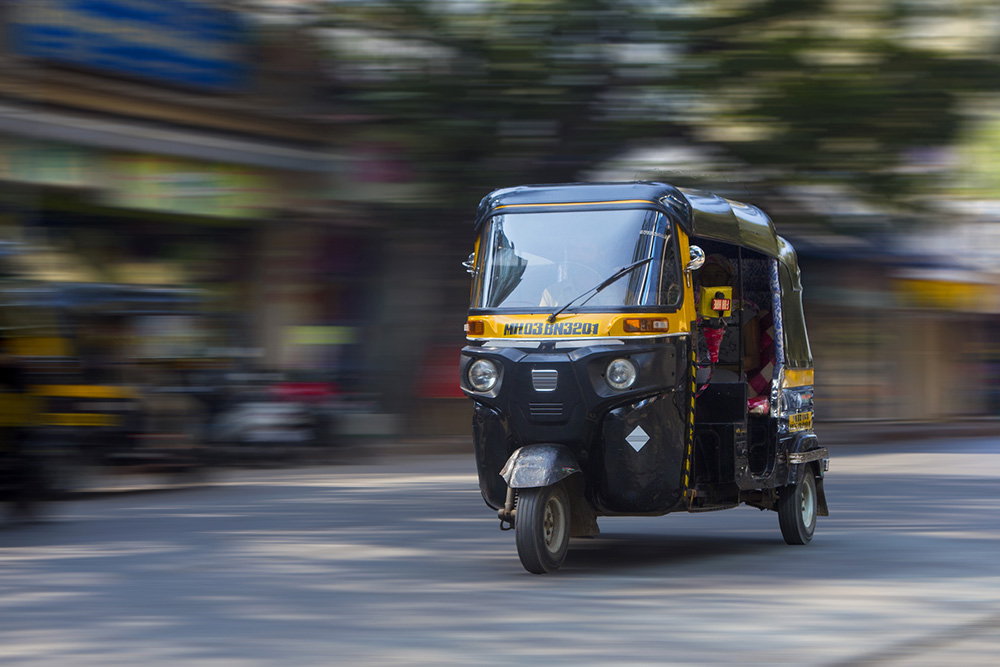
689,453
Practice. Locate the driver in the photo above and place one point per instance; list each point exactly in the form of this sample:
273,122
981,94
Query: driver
571,281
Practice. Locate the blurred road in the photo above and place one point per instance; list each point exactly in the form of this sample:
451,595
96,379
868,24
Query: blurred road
403,564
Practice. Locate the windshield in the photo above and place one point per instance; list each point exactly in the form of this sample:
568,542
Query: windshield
537,262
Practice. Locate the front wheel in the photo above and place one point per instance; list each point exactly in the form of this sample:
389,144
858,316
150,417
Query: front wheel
541,528
797,510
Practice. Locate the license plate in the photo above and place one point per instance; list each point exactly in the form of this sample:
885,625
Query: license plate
800,422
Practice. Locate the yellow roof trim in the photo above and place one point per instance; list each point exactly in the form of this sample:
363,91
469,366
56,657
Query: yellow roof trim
577,203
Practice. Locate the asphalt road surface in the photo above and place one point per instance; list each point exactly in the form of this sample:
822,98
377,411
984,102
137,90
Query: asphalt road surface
402,563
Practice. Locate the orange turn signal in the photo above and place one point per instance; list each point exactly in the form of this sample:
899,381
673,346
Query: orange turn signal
475,328
645,324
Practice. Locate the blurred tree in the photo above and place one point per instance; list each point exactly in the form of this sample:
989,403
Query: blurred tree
504,92
495,92
867,93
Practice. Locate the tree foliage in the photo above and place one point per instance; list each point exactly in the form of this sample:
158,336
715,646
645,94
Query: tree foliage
497,92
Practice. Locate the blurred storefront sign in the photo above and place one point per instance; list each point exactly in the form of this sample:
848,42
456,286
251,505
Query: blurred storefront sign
833,294
111,134
43,163
146,182
948,292
971,239
126,160
53,265
322,335
149,273
157,183
177,42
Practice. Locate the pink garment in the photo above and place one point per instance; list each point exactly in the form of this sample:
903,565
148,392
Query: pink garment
713,340
759,405
760,377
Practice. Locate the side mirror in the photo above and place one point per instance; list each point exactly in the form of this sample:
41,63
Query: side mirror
697,259
470,264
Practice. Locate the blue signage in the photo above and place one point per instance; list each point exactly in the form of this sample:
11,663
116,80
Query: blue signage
176,42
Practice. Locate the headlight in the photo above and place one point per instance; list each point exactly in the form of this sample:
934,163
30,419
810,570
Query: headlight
620,374
483,375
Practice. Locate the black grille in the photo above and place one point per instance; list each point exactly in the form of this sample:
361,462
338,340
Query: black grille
545,409
544,379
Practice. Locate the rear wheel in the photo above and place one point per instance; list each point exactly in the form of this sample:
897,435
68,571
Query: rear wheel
541,528
797,510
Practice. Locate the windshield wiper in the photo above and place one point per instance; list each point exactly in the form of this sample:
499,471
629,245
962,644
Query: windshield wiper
594,291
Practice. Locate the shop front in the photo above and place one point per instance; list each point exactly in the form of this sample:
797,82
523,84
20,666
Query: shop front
895,344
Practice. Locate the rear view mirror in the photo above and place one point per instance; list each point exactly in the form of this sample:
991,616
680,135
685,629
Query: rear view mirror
697,259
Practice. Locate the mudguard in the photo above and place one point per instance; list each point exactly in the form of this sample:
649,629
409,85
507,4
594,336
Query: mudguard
534,466
802,445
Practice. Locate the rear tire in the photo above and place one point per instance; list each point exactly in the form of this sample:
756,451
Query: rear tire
541,528
797,510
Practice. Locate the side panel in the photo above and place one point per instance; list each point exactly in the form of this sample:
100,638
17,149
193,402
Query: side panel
720,447
494,445
642,458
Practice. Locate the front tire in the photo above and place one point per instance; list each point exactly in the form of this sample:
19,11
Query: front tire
797,510
541,528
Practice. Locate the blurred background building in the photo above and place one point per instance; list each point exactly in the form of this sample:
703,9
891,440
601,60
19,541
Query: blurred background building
306,173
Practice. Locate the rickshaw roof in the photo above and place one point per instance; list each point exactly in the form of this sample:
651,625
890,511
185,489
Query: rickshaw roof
698,212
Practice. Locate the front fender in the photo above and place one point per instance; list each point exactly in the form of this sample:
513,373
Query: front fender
534,466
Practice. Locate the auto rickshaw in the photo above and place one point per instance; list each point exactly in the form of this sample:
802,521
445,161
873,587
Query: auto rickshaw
94,402
636,349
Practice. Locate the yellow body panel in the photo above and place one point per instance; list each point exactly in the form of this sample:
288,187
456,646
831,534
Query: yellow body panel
576,325
17,409
687,309
39,346
797,378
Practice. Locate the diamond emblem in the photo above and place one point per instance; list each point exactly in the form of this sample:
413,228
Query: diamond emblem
637,438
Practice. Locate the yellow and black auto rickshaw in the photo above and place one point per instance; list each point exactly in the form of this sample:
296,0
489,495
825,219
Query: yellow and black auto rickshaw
636,349
92,400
